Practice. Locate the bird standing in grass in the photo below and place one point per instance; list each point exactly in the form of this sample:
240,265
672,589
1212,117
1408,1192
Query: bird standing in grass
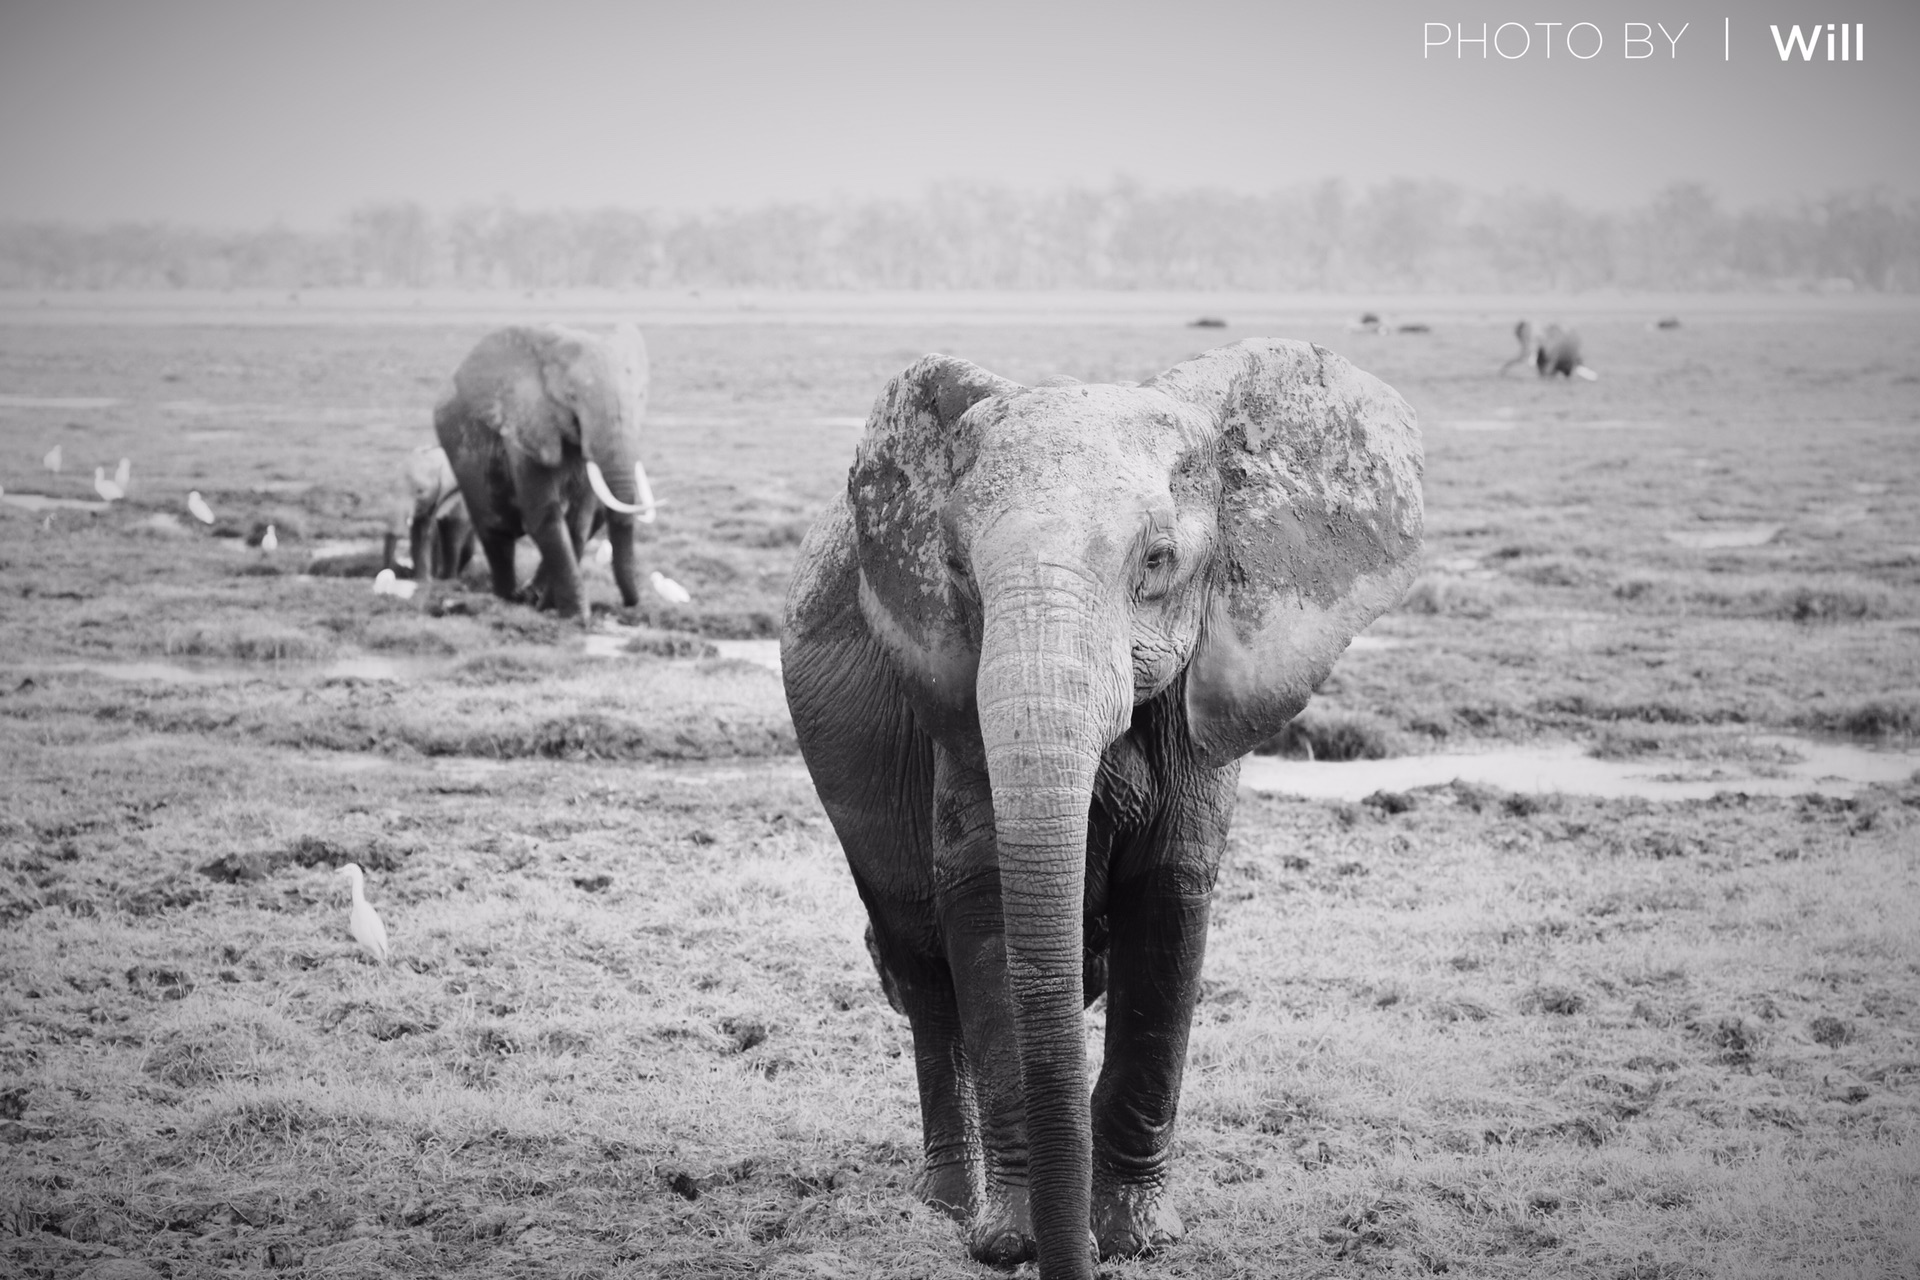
363,922
107,489
269,541
198,506
52,459
667,589
123,473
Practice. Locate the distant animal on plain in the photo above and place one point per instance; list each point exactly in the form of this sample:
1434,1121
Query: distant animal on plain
1208,322
439,533
1550,351
1667,322
542,429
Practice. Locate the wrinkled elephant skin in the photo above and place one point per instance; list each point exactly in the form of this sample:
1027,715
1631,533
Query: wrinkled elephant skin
542,428
1024,654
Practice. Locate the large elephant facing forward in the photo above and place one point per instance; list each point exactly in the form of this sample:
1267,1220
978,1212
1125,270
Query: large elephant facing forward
439,534
542,428
1024,655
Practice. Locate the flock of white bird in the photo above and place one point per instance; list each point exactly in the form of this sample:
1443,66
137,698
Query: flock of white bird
363,922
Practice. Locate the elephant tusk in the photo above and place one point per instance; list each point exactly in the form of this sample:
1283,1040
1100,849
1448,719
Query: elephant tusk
645,490
642,512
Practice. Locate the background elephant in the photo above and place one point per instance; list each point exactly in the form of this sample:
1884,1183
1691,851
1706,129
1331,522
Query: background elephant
438,531
542,428
1023,657
1550,351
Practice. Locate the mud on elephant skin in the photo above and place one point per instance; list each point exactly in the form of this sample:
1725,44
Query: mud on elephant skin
542,428
440,537
1024,654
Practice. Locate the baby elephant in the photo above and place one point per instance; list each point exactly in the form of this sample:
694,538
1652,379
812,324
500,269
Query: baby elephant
542,429
438,530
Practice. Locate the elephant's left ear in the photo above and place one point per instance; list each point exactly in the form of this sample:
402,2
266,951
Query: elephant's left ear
1319,524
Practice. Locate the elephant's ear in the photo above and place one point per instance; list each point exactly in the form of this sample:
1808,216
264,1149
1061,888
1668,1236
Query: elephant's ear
918,443
1319,525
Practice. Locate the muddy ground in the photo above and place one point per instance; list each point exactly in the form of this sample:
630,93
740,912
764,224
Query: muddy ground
631,1029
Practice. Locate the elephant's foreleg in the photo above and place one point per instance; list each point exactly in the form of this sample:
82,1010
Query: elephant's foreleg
972,923
545,517
1157,921
920,985
498,548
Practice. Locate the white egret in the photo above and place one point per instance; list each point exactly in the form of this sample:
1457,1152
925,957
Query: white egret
52,461
122,474
667,589
107,489
603,553
269,541
198,506
388,583
363,922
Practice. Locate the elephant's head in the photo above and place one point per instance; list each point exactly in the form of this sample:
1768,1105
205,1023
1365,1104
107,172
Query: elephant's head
1040,562
432,491
604,385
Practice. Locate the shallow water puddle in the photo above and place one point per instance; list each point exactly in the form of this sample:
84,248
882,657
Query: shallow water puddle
1835,769
761,653
366,666
57,402
612,643
1754,535
46,502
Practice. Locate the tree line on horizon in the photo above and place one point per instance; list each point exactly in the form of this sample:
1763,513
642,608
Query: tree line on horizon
1403,235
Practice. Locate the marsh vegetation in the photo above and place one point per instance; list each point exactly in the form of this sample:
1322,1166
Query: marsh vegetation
631,1029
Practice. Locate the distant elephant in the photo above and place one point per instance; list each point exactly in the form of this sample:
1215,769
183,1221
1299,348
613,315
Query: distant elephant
1558,353
1024,654
1551,351
438,530
542,428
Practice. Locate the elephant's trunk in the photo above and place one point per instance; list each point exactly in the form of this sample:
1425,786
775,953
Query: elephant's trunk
1053,691
620,483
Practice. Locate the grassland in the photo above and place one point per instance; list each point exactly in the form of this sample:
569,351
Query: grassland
632,1031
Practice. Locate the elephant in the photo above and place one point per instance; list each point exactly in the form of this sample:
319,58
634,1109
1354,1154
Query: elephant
542,429
1024,653
1552,351
438,530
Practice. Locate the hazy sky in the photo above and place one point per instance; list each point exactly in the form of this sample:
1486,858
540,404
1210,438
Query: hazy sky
238,112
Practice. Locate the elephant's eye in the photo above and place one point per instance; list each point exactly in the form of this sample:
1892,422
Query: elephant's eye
1156,576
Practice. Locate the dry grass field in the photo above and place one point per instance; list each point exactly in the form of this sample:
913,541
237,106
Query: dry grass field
631,1030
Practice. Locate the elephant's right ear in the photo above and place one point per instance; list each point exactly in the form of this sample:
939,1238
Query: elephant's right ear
918,443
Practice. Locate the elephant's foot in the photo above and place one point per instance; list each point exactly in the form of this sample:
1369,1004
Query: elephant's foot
1002,1233
948,1188
1129,1220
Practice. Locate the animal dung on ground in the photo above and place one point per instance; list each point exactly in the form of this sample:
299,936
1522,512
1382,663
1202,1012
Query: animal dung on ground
667,589
198,507
363,922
